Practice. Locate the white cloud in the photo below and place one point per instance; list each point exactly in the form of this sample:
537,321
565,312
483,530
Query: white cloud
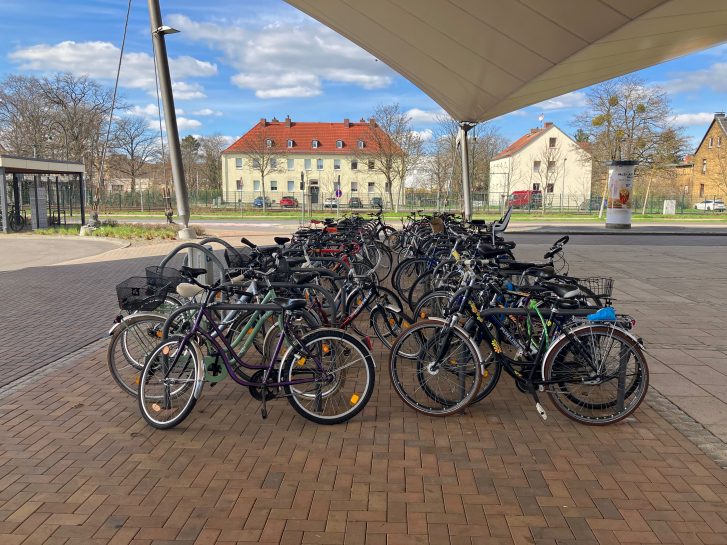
424,135
99,60
184,123
207,112
425,116
714,78
574,99
187,91
287,59
692,120
150,110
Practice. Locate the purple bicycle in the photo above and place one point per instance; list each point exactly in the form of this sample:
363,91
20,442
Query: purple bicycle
327,375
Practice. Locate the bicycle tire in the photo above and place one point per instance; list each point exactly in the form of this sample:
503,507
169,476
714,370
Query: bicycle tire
568,375
338,348
466,366
155,398
130,344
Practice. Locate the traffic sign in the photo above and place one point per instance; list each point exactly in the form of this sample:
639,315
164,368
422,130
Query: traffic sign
339,193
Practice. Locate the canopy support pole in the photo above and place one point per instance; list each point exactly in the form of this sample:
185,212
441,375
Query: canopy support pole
158,32
464,127
4,201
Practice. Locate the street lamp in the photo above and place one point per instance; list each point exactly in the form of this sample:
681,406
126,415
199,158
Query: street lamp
302,188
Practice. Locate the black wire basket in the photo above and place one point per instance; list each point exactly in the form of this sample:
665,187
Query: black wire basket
157,276
600,286
136,293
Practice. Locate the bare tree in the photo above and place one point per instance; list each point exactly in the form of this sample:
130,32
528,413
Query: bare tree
264,153
24,116
211,148
394,148
134,145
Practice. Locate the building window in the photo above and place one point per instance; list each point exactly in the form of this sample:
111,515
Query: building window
256,163
551,142
256,185
269,142
387,186
711,141
314,144
701,190
273,163
339,144
536,166
704,166
239,185
336,164
719,141
371,164
354,187
536,187
354,164
551,167
290,143
372,187
273,185
307,164
238,162
361,144
291,185
550,188
291,164
319,164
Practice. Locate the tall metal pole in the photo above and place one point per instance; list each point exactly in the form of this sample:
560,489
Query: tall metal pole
466,194
170,117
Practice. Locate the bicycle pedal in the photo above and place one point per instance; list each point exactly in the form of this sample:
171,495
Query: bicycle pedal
264,413
541,411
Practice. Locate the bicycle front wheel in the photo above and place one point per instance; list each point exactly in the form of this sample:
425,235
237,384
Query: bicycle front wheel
341,372
597,375
129,346
167,383
435,368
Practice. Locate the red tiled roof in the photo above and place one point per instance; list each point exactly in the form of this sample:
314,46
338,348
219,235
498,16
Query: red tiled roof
303,134
518,144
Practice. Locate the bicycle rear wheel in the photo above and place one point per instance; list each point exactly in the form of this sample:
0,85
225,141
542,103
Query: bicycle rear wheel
435,368
599,375
167,383
338,391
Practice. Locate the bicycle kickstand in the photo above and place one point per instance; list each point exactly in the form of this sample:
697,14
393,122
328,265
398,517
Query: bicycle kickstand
263,403
538,406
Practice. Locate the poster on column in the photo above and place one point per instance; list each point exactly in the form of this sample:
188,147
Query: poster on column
620,186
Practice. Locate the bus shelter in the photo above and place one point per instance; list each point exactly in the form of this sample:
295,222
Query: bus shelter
40,192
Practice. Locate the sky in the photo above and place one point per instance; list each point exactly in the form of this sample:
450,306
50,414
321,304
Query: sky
236,61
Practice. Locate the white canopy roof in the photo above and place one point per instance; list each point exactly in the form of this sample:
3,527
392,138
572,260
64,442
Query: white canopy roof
479,59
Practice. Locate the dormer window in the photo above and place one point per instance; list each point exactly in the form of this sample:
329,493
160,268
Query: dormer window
339,144
361,144
290,143
269,142
314,144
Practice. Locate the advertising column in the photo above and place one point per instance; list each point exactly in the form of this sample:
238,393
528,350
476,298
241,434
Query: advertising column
620,194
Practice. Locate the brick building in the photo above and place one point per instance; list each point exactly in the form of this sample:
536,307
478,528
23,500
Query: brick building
708,178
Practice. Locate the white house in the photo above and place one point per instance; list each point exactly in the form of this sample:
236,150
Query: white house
546,160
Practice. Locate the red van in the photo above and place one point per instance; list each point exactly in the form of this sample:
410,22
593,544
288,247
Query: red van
525,199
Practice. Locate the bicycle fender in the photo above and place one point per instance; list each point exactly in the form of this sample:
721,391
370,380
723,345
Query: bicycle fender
117,325
636,340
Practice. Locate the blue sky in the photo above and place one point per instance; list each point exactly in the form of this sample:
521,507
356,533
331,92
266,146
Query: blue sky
236,61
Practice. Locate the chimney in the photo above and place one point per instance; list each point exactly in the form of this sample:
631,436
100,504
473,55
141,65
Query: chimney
263,122
287,121
718,114
548,124
274,120
346,123
372,122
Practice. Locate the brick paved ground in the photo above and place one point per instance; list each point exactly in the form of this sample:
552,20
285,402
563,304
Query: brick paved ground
78,464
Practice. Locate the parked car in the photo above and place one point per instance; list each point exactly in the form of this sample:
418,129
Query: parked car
525,199
258,202
377,202
330,202
717,205
355,202
288,202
